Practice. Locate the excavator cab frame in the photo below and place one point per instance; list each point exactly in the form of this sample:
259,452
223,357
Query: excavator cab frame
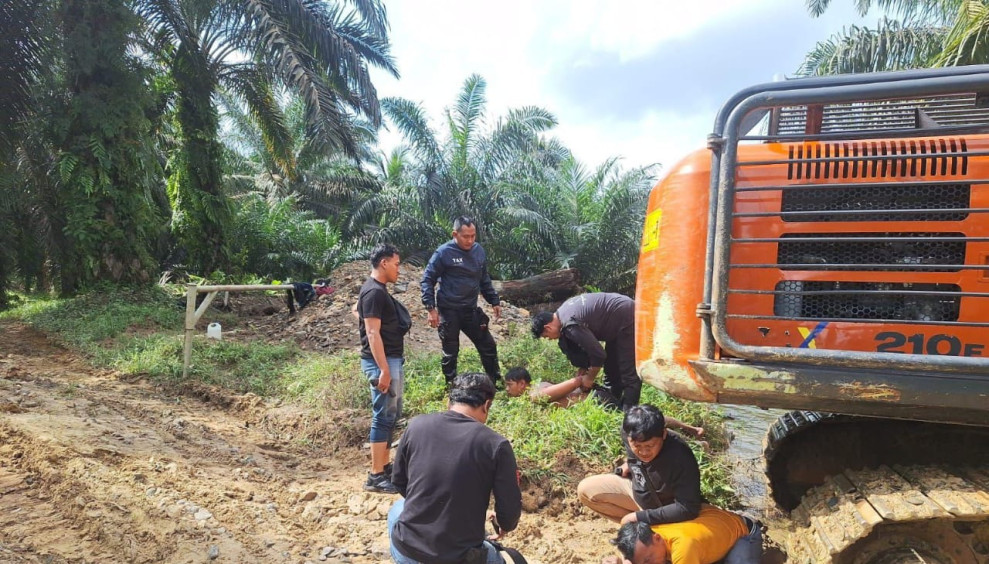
911,114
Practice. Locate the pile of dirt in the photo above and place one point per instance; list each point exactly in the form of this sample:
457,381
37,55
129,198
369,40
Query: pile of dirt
328,324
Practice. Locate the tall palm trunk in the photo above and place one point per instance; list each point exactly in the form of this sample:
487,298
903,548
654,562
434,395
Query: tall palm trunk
196,186
105,161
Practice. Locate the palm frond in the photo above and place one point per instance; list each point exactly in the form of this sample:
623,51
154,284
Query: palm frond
891,46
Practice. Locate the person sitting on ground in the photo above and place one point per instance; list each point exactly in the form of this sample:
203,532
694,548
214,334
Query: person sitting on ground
447,466
715,535
660,482
569,392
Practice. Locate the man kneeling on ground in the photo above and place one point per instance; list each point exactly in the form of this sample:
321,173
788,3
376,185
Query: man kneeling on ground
714,535
518,381
447,466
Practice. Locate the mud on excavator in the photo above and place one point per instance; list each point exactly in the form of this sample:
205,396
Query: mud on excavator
829,253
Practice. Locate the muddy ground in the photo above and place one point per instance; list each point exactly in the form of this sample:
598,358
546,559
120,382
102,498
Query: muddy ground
98,467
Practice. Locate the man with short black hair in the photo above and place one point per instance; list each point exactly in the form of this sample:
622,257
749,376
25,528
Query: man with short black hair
460,267
447,467
714,536
383,323
665,484
581,324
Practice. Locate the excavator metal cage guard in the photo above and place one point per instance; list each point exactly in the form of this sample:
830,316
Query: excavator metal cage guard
830,118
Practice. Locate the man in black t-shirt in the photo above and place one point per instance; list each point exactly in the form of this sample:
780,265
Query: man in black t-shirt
447,466
660,483
382,357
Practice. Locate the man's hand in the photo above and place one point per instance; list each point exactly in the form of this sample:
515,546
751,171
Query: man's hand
434,318
624,469
384,381
497,528
586,378
630,518
497,311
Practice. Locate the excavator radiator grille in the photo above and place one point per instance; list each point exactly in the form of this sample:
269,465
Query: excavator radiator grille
867,300
890,252
915,202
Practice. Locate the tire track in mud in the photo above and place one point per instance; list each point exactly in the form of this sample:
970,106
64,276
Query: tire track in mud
94,468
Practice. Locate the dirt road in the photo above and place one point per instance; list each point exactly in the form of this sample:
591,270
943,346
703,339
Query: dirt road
96,468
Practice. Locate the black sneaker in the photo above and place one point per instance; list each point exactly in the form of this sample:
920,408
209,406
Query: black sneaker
379,483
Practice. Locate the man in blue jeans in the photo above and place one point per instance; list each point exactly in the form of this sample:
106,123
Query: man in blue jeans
447,467
383,329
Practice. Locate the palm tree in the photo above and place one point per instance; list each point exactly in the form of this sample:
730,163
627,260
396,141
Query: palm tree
460,173
249,48
568,217
24,33
920,34
322,182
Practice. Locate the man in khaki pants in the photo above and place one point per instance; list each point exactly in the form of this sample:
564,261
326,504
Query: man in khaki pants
660,482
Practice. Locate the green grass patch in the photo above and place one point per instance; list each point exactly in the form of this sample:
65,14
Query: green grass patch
138,332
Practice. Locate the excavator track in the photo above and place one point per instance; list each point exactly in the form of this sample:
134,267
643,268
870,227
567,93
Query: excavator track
899,514
864,490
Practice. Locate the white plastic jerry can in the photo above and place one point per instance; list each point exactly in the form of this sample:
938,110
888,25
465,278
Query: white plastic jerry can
213,331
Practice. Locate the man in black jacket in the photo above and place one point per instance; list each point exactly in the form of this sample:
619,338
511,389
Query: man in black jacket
447,466
660,483
460,266
581,324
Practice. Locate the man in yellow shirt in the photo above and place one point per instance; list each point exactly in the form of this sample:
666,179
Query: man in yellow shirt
714,535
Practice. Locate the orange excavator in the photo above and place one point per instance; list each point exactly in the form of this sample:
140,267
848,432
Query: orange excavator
828,253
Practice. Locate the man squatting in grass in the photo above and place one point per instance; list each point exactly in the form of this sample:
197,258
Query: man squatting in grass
383,323
569,392
460,267
581,324
660,486
447,467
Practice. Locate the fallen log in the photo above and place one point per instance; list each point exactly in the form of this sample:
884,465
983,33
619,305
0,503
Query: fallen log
554,286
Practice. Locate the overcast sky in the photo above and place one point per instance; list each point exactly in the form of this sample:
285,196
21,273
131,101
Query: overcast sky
640,79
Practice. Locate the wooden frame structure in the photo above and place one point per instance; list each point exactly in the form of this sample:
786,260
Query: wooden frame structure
192,313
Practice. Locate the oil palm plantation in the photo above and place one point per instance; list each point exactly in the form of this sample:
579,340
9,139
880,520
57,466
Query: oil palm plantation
917,34
460,170
250,49
572,217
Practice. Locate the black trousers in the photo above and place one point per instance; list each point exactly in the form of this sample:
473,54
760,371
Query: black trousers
474,323
619,371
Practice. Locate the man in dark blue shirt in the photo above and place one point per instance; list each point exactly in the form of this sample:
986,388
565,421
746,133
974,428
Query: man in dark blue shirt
460,267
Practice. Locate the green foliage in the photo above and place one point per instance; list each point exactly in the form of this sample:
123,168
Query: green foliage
277,241
535,206
316,49
328,382
916,34
88,321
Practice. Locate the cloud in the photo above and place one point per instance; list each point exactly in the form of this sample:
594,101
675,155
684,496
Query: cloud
641,78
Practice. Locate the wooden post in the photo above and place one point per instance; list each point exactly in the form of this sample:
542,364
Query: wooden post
192,314
190,327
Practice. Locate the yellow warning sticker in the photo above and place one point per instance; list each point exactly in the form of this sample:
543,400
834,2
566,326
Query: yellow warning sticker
650,234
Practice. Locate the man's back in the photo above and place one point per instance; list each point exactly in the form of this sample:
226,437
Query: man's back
704,540
606,315
446,467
